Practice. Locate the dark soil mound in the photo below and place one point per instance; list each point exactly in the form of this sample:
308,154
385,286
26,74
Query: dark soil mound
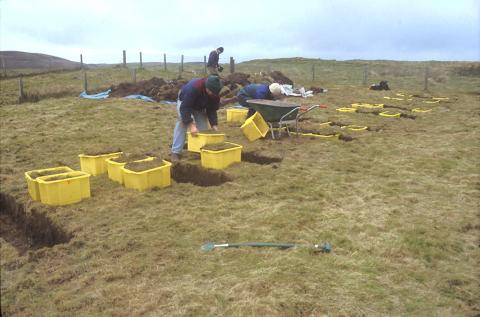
156,88
280,78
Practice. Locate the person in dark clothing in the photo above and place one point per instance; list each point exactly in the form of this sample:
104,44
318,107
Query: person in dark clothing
212,64
197,105
259,91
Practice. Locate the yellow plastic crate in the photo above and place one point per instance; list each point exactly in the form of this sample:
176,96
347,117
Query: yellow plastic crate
323,136
255,127
114,169
195,143
95,164
155,177
222,158
32,183
236,115
69,190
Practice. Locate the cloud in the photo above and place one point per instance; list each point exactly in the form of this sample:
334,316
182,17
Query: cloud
247,29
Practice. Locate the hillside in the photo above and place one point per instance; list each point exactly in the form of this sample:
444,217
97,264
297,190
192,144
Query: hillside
17,60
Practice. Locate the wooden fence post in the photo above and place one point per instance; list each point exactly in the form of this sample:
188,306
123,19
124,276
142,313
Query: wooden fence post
85,86
81,61
4,67
365,75
165,62
181,65
20,89
141,62
204,64
425,83
313,72
232,65
124,58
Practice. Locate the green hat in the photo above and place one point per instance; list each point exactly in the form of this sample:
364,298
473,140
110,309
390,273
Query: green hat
214,84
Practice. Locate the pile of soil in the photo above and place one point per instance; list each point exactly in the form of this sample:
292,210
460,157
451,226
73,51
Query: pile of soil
156,88
144,166
124,158
95,152
59,177
159,89
34,175
219,146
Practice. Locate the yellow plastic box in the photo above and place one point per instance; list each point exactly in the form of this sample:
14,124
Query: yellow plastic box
95,164
236,115
114,169
73,188
389,114
155,177
255,127
32,183
323,136
195,143
222,158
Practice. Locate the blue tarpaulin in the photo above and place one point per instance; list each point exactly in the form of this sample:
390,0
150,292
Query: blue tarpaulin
104,95
100,95
141,97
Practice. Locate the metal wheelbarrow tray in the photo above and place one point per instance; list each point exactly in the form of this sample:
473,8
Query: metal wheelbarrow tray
279,114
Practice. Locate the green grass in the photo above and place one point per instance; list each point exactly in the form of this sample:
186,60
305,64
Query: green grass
399,206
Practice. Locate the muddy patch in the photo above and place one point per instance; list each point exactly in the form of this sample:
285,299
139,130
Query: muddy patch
196,175
28,229
258,158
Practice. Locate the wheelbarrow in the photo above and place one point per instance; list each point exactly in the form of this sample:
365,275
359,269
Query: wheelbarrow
280,114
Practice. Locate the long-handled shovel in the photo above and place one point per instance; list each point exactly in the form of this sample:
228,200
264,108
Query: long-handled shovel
325,247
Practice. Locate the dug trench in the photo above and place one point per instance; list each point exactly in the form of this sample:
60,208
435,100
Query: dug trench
258,158
28,229
196,175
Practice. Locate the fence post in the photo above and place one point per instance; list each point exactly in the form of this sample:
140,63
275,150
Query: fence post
134,75
4,68
425,83
313,72
141,62
85,86
20,89
165,62
181,65
81,61
365,74
205,64
124,58
232,65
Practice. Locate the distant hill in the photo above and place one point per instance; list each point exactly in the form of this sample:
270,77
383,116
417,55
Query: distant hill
18,60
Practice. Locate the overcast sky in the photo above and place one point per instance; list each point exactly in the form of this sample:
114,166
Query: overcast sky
248,29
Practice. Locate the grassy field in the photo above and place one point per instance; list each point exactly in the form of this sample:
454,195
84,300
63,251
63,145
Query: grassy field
399,204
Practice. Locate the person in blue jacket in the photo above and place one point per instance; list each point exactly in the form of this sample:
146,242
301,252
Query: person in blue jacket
259,91
197,105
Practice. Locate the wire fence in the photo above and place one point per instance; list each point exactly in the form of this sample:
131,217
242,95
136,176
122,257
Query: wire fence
314,72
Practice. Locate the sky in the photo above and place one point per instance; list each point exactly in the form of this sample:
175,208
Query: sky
100,30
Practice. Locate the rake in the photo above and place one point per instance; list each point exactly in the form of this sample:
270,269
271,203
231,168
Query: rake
325,247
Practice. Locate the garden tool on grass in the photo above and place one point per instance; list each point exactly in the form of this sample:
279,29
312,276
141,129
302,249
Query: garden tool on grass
325,247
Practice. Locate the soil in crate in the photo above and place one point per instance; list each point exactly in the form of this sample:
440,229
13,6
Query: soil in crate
219,146
95,152
34,175
59,177
129,158
144,166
